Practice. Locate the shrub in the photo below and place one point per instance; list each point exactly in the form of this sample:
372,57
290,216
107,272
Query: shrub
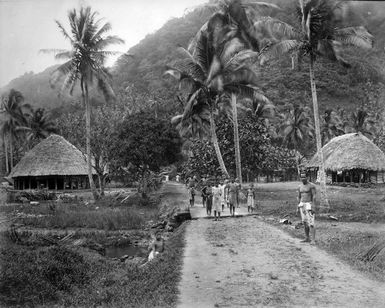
37,276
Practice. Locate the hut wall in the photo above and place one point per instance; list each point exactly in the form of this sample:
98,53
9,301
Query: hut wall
373,177
380,177
329,177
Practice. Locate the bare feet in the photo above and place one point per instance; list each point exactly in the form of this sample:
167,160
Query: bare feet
306,241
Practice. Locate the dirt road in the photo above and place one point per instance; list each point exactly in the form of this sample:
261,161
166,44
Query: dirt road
247,262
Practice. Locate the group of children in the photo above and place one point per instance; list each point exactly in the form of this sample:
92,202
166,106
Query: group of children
218,194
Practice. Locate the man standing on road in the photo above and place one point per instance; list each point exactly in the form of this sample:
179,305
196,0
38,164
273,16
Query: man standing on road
306,198
238,190
233,196
204,192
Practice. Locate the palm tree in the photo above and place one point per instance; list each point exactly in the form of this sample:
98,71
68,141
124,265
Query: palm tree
15,111
319,35
296,128
331,126
209,76
85,64
362,122
215,64
40,126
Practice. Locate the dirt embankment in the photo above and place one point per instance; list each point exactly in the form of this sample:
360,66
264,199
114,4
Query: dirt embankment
247,262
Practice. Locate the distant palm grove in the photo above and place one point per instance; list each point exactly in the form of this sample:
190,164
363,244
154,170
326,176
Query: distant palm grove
235,88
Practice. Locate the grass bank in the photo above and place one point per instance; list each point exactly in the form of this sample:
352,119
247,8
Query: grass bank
44,276
360,213
105,214
103,282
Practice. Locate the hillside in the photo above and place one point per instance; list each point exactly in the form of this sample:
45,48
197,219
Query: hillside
337,86
37,90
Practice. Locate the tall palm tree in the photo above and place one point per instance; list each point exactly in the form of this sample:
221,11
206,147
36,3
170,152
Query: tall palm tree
319,34
15,111
208,75
85,64
216,63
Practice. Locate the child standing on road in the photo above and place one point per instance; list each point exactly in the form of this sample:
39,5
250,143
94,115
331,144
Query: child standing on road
192,195
251,198
217,201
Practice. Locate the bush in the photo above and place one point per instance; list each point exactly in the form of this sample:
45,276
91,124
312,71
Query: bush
37,276
35,195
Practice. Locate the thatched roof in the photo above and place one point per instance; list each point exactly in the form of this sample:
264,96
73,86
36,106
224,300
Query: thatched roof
52,156
350,151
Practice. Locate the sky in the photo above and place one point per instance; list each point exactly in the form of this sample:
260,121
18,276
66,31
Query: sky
27,26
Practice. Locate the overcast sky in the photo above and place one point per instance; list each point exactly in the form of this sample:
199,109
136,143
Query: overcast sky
26,26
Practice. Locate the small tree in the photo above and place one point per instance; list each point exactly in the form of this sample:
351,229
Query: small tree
144,144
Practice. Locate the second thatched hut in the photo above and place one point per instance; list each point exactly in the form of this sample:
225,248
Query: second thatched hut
350,158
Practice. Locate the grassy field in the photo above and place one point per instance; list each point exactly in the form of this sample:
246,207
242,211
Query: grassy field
361,221
45,275
105,214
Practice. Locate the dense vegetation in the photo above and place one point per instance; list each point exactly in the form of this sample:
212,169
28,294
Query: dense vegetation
140,86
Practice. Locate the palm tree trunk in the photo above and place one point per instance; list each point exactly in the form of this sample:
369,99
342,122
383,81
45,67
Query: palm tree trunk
6,154
238,167
323,198
88,139
214,140
11,151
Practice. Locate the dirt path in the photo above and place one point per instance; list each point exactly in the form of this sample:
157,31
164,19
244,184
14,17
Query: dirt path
247,262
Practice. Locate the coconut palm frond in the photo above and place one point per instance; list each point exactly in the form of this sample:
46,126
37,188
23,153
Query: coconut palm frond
189,108
190,68
103,29
216,30
69,81
277,50
176,119
194,41
202,52
356,36
215,69
243,76
276,28
105,88
68,54
241,59
102,43
260,5
231,48
62,70
53,51
64,31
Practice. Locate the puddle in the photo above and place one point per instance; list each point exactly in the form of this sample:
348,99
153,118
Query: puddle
120,251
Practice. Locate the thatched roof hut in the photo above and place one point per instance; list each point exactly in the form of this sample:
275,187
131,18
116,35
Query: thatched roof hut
54,163
351,158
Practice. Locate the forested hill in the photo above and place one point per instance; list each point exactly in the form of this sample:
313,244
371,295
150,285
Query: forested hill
337,86
37,90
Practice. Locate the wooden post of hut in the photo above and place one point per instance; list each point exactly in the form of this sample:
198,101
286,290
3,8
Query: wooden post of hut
55,183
